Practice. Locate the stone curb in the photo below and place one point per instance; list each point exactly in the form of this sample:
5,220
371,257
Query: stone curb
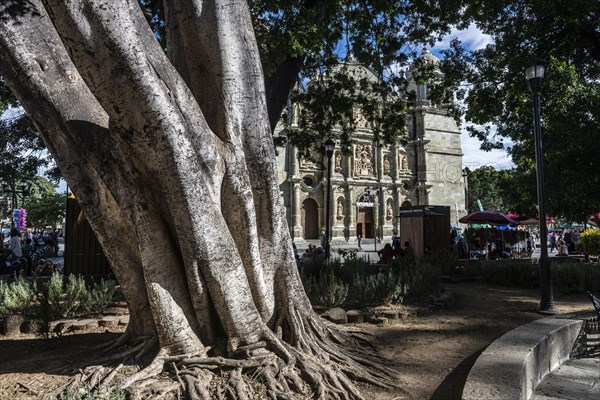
16,324
512,366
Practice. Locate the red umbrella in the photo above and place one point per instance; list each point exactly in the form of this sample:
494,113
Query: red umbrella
525,220
488,217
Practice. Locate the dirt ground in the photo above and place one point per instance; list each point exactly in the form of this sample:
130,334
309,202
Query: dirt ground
432,349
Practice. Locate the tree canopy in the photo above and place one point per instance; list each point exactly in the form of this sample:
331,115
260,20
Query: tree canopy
45,207
497,103
302,39
505,191
22,154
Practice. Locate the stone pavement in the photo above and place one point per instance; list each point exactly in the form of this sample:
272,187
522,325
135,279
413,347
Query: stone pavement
576,379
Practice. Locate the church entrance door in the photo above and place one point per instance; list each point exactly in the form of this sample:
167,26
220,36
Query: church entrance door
310,219
364,223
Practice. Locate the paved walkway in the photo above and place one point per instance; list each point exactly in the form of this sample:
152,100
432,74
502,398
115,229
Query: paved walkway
576,379
367,250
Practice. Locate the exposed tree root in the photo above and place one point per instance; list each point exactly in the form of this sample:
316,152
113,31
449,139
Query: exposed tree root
137,351
324,363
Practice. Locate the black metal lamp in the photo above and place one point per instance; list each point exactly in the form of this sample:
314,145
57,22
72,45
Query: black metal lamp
465,176
534,74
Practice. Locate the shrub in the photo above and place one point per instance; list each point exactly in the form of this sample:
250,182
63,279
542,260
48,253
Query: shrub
576,277
56,302
358,282
314,266
590,241
55,298
445,260
384,288
421,279
348,254
15,298
350,268
516,273
100,296
330,290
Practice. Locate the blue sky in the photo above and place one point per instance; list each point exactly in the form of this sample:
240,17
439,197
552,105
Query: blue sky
472,38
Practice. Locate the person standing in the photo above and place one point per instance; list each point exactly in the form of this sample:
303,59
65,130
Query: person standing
386,254
395,239
54,240
552,242
359,240
14,245
397,251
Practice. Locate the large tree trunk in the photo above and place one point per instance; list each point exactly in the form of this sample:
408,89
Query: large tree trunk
174,166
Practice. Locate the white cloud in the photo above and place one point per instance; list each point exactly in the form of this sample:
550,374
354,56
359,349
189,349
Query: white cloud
474,157
12,113
473,39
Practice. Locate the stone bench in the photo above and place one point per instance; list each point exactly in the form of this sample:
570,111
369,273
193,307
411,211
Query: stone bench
512,366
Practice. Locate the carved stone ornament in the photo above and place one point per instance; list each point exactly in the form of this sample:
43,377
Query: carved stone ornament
404,163
362,160
340,209
360,119
389,209
386,165
338,162
309,162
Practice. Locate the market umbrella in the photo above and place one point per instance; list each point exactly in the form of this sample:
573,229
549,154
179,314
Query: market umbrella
526,220
571,225
488,217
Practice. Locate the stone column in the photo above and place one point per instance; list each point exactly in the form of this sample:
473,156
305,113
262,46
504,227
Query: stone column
396,199
377,161
296,211
351,215
293,154
352,161
395,163
376,213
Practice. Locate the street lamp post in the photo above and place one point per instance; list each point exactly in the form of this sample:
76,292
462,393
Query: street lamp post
534,73
329,147
465,176
377,194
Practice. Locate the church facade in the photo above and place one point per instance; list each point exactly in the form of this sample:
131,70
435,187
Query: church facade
369,186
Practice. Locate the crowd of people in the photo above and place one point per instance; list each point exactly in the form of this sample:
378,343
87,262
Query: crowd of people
563,242
394,251
21,250
389,252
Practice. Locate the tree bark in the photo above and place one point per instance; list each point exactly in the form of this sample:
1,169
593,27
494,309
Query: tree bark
174,166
